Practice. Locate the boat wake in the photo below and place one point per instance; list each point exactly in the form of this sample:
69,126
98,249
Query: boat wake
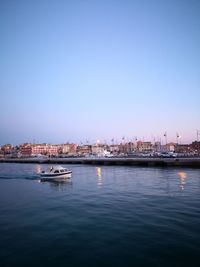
19,178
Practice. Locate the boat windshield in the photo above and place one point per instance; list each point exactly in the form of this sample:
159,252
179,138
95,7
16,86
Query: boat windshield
58,169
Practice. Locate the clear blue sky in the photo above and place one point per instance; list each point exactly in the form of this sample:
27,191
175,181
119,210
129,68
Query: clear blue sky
81,70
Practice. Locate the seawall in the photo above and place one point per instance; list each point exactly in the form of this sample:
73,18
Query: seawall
147,162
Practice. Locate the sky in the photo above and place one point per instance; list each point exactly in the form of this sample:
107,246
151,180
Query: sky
82,70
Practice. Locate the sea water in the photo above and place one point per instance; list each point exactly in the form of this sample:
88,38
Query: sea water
102,216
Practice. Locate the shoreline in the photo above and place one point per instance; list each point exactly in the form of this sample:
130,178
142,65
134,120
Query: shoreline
140,162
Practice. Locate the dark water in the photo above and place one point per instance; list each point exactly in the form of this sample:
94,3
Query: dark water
108,216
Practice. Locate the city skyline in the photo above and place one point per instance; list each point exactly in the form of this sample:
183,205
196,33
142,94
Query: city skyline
163,140
87,70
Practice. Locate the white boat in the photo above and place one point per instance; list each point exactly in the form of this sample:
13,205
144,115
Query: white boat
55,173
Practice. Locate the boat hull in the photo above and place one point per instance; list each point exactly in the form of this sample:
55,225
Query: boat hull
55,176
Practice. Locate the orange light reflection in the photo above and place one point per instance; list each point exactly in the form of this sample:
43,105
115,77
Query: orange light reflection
183,176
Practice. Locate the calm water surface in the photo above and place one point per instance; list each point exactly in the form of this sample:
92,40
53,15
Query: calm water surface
103,216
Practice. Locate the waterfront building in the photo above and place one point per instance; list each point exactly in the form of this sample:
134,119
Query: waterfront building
98,149
195,146
45,149
183,149
7,149
170,147
1,153
84,150
31,150
25,150
126,148
114,149
157,147
69,149
144,146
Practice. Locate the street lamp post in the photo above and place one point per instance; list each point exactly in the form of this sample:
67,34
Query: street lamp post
165,135
177,137
198,134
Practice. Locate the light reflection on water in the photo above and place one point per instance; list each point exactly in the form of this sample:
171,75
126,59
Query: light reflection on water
103,216
146,181
182,175
99,175
38,168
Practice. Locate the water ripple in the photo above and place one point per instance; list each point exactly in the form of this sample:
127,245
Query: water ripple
104,216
